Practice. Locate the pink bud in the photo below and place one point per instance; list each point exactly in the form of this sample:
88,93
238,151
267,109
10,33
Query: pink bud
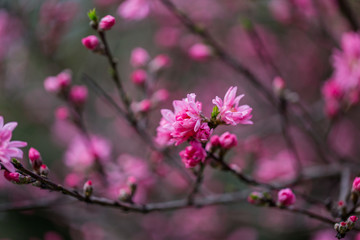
139,57
64,79
139,76
353,218
62,113
35,159
200,52
356,184
143,106
215,141
278,85
343,224
51,84
44,170
125,193
341,203
107,22
228,140
12,177
90,42
131,181
286,197
78,95
87,188
159,62
193,154
160,95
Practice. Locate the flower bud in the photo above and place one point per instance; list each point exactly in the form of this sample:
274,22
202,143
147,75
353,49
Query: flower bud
286,197
51,84
138,77
78,95
62,113
35,159
351,222
107,22
64,79
160,95
88,189
356,185
44,170
200,52
278,86
255,198
12,176
159,62
143,106
139,57
228,140
90,42
132,183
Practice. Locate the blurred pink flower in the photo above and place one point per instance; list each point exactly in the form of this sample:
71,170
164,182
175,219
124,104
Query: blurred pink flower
193,154
230,111
139,57
55,84
139,76
9,149
134,9
82,153
200,52
356,184
90,42
78,95
107,22
159,62
286,197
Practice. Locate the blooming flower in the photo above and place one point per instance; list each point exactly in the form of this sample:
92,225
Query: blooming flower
193,154
9,149
286,197
230,111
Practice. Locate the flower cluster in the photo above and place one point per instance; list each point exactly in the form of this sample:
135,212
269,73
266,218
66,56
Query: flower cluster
343,227
187,123
343,88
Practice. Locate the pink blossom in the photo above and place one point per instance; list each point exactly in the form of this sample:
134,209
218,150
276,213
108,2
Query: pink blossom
200,52
356,184
204,132
160,95
55,84
82,153
353,218
228,140
159,62
193,154
134,9
78,95
9,149
107,22
278,85
139,57
90,42
143,106
286,197
230,111
138,77
178,126
62,113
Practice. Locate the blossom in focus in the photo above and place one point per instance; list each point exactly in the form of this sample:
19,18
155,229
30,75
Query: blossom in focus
286,197
230,111
107,22
90,42
178,126
193,154
9,149
134,9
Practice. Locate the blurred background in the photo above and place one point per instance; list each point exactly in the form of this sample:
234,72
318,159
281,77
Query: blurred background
294,39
